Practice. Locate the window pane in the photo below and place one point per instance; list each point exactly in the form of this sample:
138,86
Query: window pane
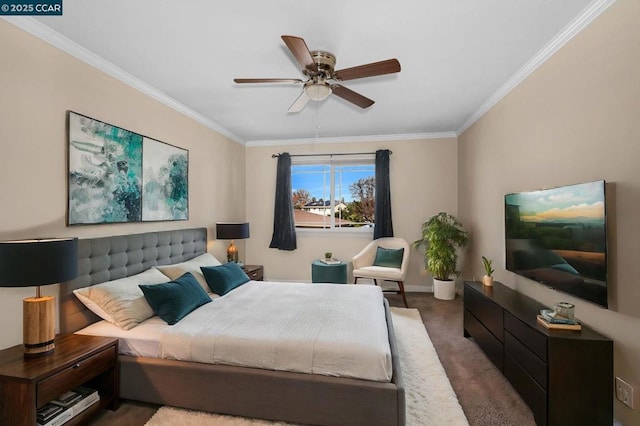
333,196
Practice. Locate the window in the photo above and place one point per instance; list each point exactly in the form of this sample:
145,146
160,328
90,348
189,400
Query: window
333,195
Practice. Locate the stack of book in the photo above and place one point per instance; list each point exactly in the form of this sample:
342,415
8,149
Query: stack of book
330,261
67,406
552,320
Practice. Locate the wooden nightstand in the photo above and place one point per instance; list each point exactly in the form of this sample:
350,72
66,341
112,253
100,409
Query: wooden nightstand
26,384
255,272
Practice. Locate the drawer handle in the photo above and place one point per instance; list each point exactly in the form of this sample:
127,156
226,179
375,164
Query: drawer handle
76,365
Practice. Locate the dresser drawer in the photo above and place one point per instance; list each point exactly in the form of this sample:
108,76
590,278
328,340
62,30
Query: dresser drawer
530,391
487,312
533,365
75,375
527,335
491,346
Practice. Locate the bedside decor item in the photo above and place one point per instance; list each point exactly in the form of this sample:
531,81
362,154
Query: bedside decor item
232,231
442,235
488,278
27,263
328,255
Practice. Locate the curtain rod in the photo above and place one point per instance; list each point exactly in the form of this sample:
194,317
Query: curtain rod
327,155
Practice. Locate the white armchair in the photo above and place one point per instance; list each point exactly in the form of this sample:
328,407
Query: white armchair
363,264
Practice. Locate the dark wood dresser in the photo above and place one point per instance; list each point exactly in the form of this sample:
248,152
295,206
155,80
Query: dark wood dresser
566,377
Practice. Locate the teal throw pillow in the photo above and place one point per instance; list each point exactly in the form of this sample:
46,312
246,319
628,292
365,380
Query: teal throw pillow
172,301
389,258
224,278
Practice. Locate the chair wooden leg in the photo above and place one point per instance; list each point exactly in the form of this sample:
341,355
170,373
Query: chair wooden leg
401,285
375,281
355,280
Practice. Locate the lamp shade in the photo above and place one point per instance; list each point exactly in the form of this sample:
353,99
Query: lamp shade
232,230
25,263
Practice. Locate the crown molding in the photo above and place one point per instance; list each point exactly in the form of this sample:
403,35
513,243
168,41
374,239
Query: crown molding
343,139
588,15
61,42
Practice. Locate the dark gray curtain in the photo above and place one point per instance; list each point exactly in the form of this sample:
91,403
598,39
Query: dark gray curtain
384,224
284,228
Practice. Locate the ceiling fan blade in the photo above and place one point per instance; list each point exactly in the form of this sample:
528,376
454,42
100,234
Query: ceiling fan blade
267,80
299,48
389,66
351,96
299,103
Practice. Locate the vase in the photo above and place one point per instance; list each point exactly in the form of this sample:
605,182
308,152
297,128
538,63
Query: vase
487,280
444,290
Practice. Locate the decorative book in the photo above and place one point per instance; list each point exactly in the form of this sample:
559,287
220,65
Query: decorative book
553,317
48,412
559,326
330,261
67,399
67,406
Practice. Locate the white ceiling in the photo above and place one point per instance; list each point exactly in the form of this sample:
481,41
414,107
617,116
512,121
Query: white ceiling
457,57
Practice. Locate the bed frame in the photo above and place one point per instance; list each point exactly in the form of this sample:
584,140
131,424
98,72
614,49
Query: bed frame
249,392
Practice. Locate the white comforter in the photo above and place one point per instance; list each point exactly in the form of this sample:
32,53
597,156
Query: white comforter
329,329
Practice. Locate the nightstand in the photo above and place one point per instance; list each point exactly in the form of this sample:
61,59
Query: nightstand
255,272
26,384
328,273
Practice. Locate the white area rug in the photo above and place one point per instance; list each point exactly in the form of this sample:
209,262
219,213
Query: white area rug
429,395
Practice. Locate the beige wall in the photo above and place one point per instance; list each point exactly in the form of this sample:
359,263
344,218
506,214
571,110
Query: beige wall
574,120
38,84
423,182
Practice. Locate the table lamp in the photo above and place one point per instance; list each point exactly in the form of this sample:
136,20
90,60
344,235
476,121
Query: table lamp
27,263
232,231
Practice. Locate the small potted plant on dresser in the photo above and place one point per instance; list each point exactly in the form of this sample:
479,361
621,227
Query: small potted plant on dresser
442,235
488,278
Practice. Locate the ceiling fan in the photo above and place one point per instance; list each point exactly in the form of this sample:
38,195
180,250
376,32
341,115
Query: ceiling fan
318,66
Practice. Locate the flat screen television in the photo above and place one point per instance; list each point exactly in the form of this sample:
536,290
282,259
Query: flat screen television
558,237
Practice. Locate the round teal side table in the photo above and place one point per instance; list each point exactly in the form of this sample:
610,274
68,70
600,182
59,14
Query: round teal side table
328,273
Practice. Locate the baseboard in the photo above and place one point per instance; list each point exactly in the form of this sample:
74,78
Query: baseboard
418,289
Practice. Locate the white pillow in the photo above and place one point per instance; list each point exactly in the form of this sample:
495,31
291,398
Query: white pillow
121,302
176,270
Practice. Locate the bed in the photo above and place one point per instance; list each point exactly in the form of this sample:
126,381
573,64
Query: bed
252,392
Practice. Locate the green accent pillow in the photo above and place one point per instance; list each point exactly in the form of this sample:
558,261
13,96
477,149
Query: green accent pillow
172,301
389,258
224,278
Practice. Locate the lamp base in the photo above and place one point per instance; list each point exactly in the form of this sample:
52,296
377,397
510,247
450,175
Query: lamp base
232,252
38,324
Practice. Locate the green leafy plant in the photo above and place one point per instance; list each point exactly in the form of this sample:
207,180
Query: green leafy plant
442,235
487,266
328,255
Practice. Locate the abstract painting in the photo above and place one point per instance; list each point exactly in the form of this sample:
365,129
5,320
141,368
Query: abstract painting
165,181
105,172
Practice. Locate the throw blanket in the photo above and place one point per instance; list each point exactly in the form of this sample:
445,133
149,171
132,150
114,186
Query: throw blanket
328,329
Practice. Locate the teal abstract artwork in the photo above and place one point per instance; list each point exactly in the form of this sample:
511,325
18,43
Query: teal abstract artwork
165,182
105,172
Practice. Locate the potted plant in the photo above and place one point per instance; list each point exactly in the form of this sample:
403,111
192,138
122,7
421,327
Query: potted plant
442,235
328,255
488,278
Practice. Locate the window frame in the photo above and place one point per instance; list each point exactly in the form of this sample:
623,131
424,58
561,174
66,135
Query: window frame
333,162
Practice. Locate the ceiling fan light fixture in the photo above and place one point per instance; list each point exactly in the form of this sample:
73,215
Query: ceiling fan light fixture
317,91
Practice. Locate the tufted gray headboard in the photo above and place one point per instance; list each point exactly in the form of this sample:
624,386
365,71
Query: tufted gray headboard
109,258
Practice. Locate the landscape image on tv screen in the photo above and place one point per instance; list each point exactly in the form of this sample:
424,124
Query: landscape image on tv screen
558,237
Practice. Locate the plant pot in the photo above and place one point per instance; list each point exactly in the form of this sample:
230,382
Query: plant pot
444,290
487,280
